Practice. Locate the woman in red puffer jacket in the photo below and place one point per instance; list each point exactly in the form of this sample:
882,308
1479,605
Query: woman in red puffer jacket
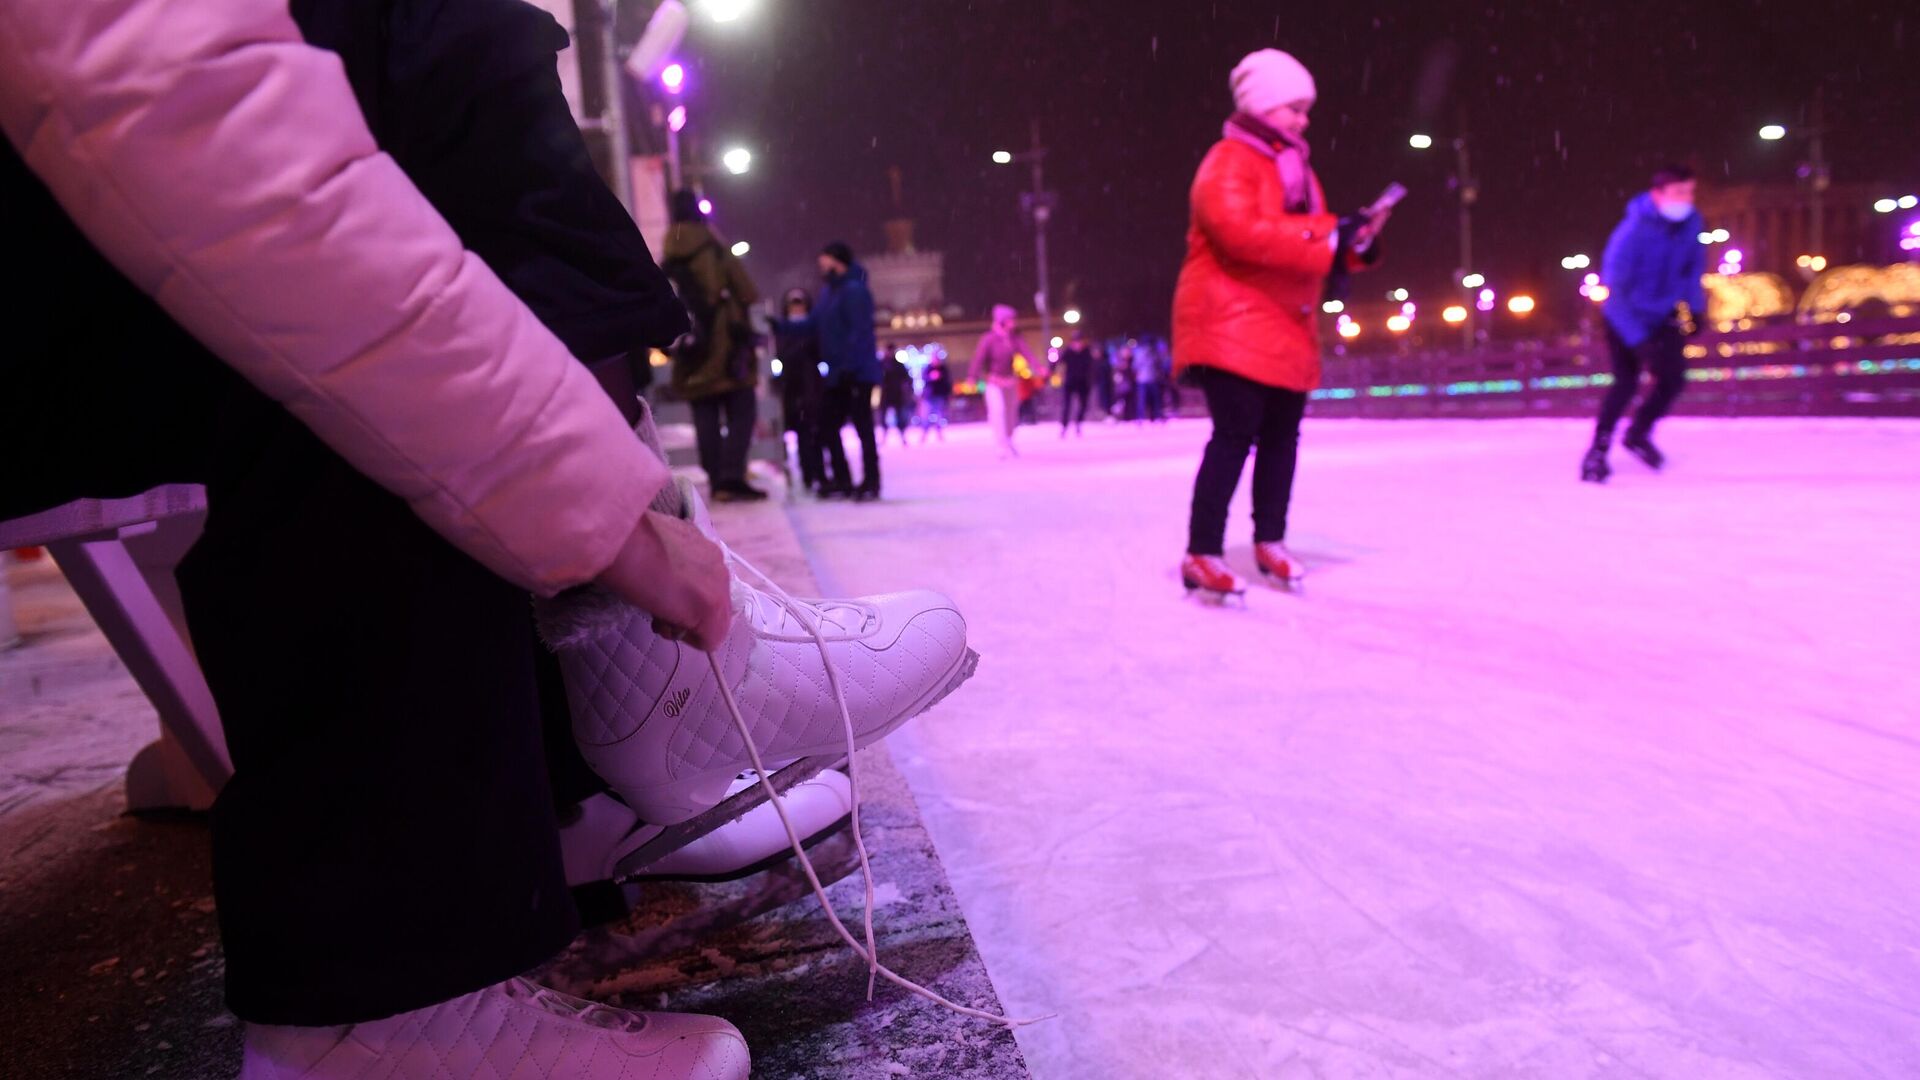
1259,251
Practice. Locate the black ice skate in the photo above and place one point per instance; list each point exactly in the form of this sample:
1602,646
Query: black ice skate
1639,445
1594,468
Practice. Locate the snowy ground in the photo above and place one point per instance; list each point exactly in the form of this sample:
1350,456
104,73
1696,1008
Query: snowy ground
1539,779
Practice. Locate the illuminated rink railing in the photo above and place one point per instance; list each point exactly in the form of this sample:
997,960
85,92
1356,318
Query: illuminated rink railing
1866,367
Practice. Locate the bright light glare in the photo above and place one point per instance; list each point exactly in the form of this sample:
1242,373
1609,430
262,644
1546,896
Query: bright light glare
706,207
1398,323
1908,202
1886,206
1400,295
1057,342
1420,142
1773,133
1474,281
1001,157
1333,307
737,160
1349,329
725,11
677,119
1520,305
1072,316
1455,314
741,248
673,78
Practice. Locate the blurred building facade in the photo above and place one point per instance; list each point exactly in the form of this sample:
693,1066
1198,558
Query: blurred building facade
1772,225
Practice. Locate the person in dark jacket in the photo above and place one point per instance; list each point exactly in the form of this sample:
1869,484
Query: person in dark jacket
716,368
847,345
896,393
1652,269
936,397
1076,383
802,387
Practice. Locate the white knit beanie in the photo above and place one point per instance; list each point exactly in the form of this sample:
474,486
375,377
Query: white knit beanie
1268,79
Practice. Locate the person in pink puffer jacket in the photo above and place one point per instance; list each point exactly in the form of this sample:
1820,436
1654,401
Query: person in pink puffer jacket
223,167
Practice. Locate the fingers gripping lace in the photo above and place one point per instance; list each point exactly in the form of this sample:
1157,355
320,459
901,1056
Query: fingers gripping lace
870,953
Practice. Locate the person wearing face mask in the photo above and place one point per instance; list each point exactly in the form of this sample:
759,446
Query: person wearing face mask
1652,269
796,341
845,319
1260,248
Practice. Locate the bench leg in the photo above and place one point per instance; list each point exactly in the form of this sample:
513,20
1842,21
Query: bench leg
148,640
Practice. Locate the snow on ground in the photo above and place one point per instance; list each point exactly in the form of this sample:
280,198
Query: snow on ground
1538,779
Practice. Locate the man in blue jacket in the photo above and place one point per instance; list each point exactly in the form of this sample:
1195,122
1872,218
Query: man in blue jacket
1652,270
847,346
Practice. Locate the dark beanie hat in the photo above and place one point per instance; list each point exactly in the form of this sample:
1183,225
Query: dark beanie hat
840,252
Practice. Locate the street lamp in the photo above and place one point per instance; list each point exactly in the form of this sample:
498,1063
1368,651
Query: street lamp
1473,281
1454,315
1468,191
1072,316
1038,205
1348,328
674,78
1420,142
1333,307
1521,305
1908,202
737,160
726,11
741,248
1399,324
1773,132
1575,262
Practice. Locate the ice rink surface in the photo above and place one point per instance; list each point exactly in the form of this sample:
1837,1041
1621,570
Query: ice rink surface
1537,779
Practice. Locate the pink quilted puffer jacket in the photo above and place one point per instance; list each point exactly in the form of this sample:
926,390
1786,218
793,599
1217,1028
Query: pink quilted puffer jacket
223,165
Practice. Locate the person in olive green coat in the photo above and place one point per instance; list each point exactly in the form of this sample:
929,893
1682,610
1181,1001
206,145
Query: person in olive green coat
715,368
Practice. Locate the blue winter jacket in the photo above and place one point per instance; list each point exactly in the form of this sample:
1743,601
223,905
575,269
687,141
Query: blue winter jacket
845,317
1651,265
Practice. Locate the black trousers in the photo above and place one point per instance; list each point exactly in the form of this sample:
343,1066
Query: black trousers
1246,414
803,406
388,839
1074,392
723,428
851,402
1663,354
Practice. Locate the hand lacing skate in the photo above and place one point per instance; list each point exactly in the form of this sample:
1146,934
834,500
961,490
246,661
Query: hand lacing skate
809,617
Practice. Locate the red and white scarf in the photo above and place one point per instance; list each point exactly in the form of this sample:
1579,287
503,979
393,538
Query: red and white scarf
1289,157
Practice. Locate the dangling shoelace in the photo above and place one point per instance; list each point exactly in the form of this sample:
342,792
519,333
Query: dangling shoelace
803,615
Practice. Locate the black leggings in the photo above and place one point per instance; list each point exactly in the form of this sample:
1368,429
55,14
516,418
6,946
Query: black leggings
851,401
1664,354
723,427
1075,392
1245,414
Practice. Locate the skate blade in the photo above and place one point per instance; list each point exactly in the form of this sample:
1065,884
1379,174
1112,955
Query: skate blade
736,806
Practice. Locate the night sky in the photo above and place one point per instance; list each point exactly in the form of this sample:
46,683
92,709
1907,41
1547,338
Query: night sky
1570,105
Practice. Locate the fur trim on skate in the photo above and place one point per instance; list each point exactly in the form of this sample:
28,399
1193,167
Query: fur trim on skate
577,616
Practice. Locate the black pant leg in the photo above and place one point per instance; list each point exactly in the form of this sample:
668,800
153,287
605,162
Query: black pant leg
836,407
709,439
1237,406
742,412
388,839
1665,354
1276,462
860,409
1626,383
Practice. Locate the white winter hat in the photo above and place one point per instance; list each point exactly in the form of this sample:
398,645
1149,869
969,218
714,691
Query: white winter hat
1268,79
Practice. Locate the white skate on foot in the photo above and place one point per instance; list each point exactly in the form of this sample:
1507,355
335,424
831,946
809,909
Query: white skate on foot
609,842
649,716
513,1031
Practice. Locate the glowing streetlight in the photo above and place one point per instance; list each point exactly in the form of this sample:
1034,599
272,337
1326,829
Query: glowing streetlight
1520,305
1002,157
1420,141
1773,132
674,78
1072,316
1057,342
1399,324
737,160
1400,295
1886,206
1348,328
1815,263
1908,202
1575,262
741,248
1473,281
706,207
1485,301
1454,315
726,11
677,119
1598,293
1333,307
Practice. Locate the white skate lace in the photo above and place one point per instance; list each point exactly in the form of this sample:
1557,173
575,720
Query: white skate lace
809,617
587,1012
